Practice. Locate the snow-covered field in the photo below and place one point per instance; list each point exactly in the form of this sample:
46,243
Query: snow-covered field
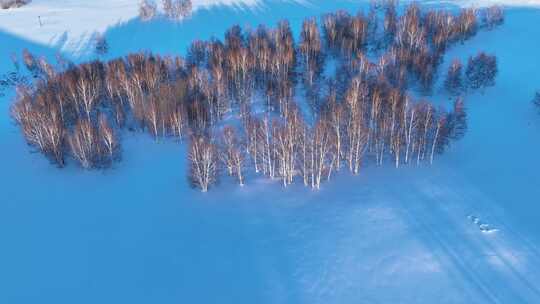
70,24
463,231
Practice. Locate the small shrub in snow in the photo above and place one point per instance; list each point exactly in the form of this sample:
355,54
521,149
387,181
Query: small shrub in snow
5,4
232,154
147,10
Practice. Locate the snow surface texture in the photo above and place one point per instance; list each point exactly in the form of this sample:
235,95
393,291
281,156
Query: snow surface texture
463,231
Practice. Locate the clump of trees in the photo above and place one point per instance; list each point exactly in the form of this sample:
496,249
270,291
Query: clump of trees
481,71
5,4
361,114
147,9
177,9
493,16
454,78
172,9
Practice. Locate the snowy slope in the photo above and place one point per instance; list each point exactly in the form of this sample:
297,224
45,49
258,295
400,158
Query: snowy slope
463,231
70,24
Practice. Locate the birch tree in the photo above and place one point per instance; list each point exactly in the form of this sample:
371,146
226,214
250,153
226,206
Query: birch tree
203,163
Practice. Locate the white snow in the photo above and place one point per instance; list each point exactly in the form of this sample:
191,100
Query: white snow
70,24
138,234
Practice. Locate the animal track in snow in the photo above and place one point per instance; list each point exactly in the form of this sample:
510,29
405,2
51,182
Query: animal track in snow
485,228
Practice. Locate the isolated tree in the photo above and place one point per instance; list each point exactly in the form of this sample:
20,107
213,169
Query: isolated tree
153,115
481,71
147,10
330,31
395,123
356,127
285,137
336,118
89,85
454,78
439,139
177,115
311,51
185,7
108,139
252,130
101,45
457,120
232,154
168,8
85,144
390,21
30,63
203,163
267,146
322,159
467,23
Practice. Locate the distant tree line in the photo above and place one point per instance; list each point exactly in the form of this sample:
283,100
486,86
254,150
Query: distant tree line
172,9
5,4
361,113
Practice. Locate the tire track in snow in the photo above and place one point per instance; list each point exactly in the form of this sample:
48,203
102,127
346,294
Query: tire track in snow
456,253
484,205
480,203
496,242
444,255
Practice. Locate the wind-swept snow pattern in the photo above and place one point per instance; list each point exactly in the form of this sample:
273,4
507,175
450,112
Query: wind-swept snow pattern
137,234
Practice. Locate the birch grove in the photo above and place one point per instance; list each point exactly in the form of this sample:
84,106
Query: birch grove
239,101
